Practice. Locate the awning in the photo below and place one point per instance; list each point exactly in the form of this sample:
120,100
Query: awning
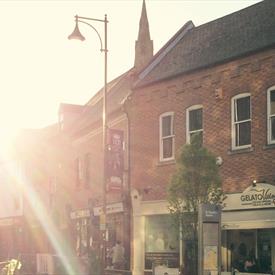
248,219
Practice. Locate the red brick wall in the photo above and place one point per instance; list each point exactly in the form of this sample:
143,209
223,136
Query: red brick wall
253,74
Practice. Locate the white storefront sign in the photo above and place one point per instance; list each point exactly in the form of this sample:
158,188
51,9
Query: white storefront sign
262,195
110,209
164,270
80,213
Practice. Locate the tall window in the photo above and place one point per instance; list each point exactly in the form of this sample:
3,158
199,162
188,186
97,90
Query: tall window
194,122
87,169
167,136
241,121
271,115
82,165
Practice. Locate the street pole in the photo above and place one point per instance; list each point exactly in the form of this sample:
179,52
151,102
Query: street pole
77,35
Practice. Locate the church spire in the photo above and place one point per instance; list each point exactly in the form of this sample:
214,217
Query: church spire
144,45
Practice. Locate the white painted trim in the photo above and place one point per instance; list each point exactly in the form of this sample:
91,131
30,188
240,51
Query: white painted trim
171,136
269,140
233,132
191,108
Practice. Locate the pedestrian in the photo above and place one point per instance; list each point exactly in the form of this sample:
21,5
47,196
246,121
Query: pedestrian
94,261
118,256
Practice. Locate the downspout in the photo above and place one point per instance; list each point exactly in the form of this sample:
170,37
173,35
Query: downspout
128,194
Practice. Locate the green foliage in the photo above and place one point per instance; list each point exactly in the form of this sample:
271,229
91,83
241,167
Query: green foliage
196,181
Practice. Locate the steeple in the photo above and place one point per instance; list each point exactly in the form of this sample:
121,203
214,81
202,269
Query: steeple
144,45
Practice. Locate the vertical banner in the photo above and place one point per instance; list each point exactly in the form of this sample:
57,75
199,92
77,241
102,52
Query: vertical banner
115,165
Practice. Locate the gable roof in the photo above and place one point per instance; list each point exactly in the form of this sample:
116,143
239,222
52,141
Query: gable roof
241,33
117,90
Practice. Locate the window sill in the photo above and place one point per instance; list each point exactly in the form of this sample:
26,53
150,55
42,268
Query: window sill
269,146
240,151
166,162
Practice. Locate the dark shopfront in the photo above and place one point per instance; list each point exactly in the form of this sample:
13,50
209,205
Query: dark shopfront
248,231
86,230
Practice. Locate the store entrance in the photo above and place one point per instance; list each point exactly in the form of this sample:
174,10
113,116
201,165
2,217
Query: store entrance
249,251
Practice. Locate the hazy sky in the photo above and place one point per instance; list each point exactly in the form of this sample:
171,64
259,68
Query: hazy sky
40,67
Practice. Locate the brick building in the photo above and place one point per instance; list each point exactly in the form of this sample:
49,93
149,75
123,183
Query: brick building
217,79
61,171
83,126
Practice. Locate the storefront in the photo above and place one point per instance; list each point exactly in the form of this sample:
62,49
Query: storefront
155,239
161,242
248,230
86,230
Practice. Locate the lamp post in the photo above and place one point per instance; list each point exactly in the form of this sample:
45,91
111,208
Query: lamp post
103,48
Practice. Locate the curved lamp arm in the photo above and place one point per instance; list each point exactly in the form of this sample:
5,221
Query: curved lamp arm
101,44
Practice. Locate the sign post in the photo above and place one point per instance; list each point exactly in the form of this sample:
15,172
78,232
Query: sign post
209,260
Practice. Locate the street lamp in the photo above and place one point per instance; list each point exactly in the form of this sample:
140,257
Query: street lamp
77,35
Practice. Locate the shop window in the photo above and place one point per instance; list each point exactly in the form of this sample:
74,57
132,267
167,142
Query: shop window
167,136
161,241
241,121
194,123
82,236
249,251
271,115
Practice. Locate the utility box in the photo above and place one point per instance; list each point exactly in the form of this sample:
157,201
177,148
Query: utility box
209,256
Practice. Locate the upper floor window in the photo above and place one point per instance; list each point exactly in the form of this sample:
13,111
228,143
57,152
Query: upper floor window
87,171
241,121
194,123
83,169
271,115
167,136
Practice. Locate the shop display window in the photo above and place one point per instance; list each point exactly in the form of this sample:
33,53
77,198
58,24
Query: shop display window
161,241
249,251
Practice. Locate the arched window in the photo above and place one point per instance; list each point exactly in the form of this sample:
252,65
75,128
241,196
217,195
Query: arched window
271,115
166,130
194,122
241,121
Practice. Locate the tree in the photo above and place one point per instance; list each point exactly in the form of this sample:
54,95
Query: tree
195,181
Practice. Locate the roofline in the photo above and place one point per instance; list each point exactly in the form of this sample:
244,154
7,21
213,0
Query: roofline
98,95
164,50
137,87
79,132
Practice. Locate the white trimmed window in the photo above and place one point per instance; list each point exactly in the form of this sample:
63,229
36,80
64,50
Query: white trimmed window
194,124
271,115
167,136
241,121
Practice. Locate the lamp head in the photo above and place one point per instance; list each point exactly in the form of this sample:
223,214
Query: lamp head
76,34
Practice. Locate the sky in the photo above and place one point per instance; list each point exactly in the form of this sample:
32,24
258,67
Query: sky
40,67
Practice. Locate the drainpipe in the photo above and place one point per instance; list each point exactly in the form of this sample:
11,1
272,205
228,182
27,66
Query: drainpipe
128,194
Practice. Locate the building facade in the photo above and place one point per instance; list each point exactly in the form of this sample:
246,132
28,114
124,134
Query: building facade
216,80
86,189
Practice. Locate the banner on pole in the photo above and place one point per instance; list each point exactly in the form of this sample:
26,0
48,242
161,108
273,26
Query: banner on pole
115,163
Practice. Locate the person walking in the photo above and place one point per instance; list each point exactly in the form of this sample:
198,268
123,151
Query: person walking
118,256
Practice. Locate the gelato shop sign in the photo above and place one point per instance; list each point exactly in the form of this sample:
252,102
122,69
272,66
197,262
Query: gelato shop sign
260,196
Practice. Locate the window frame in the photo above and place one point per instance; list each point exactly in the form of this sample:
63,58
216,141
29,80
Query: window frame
192,108
233,123
161,138
269,116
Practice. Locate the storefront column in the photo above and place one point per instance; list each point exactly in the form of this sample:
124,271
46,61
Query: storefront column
138,248
138,245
